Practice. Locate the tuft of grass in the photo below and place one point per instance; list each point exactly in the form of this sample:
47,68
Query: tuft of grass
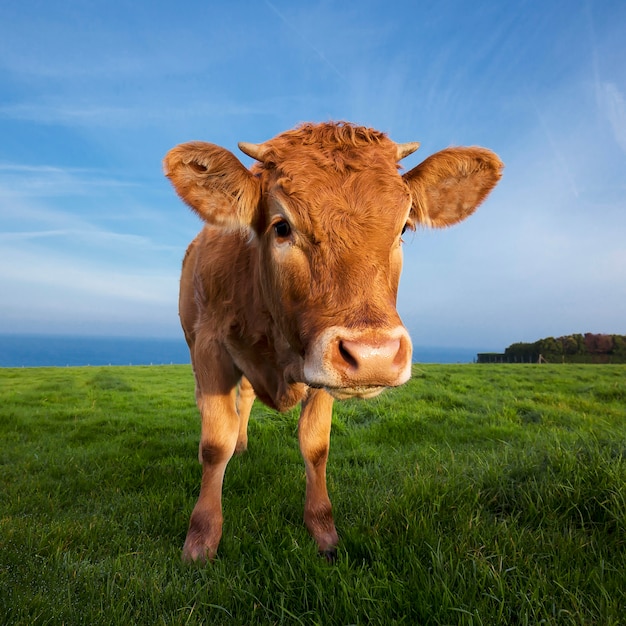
475,494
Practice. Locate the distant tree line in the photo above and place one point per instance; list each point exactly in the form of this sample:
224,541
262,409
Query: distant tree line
587,348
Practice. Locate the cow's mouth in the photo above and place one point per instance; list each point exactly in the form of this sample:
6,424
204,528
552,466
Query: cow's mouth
345,393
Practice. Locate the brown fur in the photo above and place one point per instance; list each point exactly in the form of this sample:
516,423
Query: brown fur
299,313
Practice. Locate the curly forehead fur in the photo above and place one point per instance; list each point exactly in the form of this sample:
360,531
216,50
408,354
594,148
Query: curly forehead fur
333,146
335,170
332,173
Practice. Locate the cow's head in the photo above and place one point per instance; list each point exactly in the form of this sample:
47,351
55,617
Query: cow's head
326,207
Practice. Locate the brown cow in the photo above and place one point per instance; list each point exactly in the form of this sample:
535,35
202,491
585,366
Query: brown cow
289,291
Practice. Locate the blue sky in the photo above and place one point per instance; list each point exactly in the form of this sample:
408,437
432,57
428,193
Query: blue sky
93,94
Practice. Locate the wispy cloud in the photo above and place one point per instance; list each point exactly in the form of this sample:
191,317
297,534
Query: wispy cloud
25,266
556,149
87,114
46,180
613,104
610,100
141,112
306,41
93,236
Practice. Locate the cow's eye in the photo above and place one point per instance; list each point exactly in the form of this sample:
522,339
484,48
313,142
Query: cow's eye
404,229
282,229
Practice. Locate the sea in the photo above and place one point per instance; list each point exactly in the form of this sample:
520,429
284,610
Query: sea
66,351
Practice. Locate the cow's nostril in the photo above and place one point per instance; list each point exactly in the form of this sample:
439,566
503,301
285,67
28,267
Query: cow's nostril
366,358
347,356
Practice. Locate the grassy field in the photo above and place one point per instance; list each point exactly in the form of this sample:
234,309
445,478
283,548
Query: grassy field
476,494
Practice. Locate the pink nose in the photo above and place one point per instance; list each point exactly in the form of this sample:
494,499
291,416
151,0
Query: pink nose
372,362
343,358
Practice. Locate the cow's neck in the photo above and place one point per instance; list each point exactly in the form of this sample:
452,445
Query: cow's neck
259,348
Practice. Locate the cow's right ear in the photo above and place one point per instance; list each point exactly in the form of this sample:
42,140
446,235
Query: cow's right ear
214,183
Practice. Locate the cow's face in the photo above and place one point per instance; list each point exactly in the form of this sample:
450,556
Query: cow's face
327,209
330,236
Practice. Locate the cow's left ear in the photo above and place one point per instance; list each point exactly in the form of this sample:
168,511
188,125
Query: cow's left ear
214,183
449,185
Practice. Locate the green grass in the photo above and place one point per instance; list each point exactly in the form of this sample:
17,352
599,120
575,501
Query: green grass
476,494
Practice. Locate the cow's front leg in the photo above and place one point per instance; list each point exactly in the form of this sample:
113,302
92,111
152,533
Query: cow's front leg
216,396
245,399
314,437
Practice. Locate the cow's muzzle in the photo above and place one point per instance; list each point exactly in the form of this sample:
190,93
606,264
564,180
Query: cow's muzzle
351,363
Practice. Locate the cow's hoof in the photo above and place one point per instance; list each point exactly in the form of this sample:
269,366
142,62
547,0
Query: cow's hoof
198,553
196,558
330,555
241,447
